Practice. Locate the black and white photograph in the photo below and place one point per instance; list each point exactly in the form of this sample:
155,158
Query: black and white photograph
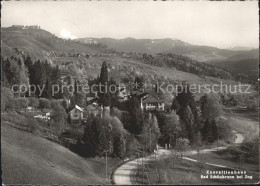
129,92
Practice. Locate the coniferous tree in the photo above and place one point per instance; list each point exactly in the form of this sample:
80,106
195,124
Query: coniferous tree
119,146
89,143
187,119
175,105
150,132
78,94
137,117
14,72
47,91
211,109
188,112
138,83
104,94
114,92
5,71
209,131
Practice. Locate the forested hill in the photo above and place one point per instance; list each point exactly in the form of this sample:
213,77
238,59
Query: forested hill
247,67
186,64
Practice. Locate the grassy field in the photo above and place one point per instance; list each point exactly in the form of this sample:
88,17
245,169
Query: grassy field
30,159
185,172
223,157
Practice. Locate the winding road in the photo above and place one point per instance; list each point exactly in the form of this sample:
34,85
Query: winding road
125,174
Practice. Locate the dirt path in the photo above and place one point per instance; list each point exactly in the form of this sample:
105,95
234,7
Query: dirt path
125,174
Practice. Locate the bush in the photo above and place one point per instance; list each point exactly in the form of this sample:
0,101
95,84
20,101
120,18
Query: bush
131,145
250,149
21,103
116,112
73,133
119,137
182,146
54,103
33,102
7,103
94,139
225,131
58,118
32,124
44,103
25,123
65,104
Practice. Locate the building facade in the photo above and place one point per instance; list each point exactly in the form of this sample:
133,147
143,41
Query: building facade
76,114
150,103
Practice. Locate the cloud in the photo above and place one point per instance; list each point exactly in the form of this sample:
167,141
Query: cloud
65,34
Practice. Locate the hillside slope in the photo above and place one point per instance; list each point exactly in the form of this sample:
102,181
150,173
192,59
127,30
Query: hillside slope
39,42
30,159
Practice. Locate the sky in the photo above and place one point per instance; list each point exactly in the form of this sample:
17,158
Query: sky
218,24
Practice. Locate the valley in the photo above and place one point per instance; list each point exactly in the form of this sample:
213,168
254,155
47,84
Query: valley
83,137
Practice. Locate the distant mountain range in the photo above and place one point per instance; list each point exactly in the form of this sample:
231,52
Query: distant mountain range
41,44
239,48
153,46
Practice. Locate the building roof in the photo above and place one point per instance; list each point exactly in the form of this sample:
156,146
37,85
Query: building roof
78,108
151,99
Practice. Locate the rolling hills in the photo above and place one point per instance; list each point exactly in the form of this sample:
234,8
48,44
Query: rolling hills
167,45
71,55
241,60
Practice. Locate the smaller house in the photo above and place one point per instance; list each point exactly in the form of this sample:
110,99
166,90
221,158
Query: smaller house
75,114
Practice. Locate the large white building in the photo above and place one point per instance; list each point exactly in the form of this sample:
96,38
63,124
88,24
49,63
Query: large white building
150,103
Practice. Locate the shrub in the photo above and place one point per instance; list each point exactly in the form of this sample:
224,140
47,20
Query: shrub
131,145
44,103
74,133
65,104
7,103
33,102
182,146
20,103
225,131
54,103
33,125
25,123
116,112
119,137
250,149
58,118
